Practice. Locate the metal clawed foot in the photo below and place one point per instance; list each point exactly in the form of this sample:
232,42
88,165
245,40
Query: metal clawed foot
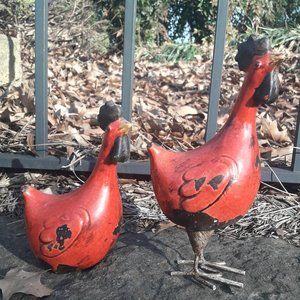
204,277
211,266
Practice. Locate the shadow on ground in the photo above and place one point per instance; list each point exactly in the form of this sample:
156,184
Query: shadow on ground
139,266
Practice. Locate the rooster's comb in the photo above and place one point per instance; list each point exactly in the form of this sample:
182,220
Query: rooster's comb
108,113
249,48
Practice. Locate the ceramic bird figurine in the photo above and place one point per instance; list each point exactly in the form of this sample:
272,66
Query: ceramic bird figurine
77,229
214,185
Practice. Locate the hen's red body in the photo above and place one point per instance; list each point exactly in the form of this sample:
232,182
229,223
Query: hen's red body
77,229
216,184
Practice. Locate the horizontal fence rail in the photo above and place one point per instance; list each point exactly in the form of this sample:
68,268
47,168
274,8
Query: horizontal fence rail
141,167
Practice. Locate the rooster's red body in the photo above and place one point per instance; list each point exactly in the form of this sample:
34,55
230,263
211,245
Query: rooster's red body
214,185
77,229
211,186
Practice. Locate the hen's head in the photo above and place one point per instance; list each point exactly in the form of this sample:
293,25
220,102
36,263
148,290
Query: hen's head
255,58
116,128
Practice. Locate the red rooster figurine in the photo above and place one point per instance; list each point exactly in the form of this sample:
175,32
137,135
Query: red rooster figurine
77,229
213,186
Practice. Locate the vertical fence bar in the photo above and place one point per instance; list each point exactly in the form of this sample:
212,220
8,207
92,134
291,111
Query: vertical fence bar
128,58
296,152
216,74
41,76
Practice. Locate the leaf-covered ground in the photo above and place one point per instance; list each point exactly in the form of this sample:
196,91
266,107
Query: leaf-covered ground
169,105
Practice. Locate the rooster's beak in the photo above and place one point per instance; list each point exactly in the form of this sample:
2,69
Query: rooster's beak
125,126
276,60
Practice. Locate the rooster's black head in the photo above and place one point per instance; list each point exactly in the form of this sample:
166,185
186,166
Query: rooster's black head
108,113
248,49
269,88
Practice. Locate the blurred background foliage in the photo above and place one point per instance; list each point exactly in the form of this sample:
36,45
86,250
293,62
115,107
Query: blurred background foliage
176,27
182,21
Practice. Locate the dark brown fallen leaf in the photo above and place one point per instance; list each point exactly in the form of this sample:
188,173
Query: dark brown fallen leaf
19,281
163,226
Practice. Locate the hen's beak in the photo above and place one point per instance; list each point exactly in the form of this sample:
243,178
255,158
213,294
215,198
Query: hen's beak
276,60
125,126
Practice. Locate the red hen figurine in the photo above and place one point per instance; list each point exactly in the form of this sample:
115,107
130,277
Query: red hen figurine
215,185
77,229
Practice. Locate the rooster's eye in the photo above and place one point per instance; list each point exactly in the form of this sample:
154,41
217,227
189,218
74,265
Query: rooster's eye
258,64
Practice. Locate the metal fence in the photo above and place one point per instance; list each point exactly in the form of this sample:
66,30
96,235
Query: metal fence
45,162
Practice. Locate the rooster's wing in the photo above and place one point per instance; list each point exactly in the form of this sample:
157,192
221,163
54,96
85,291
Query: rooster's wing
205,183
60,232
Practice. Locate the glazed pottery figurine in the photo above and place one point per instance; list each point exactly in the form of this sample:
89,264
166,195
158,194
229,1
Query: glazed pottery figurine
215,185
77,229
